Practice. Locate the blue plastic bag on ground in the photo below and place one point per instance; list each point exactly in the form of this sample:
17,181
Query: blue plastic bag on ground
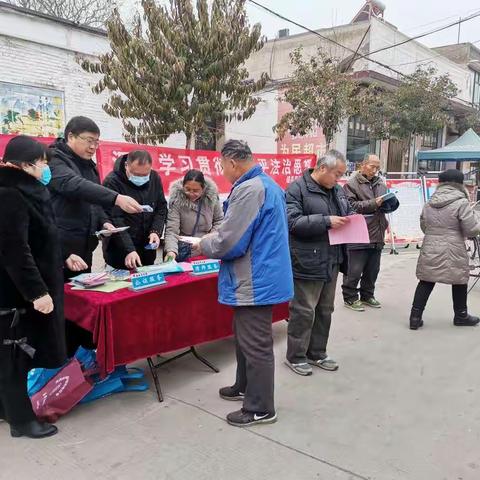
123,379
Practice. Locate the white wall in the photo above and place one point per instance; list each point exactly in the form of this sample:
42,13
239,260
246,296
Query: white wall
407,57
257,130
43,53
274,57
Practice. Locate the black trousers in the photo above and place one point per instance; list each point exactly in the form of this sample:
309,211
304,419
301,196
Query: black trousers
424,289
15,405
363,267
252,328
84,248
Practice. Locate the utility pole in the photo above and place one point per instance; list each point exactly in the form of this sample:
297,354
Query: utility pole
459,29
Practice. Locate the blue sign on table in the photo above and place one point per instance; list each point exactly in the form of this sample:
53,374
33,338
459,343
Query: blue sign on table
140,281
204,267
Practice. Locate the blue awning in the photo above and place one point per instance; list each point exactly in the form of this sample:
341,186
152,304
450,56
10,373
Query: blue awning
466,148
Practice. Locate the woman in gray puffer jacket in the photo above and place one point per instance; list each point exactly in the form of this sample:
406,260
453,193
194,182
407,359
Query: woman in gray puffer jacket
194,210
446,220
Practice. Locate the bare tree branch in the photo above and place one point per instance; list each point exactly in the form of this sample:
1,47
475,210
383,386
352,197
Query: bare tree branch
92,13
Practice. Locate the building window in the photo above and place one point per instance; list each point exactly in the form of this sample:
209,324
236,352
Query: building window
359,142
431,166
476,90
431,141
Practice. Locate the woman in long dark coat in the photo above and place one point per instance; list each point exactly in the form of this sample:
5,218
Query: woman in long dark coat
31,283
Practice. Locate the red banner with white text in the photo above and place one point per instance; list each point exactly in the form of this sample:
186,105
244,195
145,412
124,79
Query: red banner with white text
173,163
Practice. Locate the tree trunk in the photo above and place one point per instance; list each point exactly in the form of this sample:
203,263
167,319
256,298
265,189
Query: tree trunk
190,139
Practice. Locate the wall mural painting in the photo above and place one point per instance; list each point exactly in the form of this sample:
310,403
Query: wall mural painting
31,110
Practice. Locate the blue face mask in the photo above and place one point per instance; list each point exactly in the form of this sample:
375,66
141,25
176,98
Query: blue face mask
139,181
46,175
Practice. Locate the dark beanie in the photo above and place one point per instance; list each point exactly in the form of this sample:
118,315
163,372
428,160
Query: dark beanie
452,175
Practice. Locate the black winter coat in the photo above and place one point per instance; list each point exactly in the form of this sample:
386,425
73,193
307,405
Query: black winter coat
77,198
117,247
308,210
30,265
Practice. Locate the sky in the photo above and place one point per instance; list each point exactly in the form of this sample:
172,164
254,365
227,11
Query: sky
412,17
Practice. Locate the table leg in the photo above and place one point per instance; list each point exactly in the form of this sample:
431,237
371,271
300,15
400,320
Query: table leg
155,366
203,360
156,381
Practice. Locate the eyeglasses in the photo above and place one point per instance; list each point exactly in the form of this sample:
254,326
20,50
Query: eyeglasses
91,142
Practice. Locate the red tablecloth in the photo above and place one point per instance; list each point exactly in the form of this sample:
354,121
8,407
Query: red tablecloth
129,326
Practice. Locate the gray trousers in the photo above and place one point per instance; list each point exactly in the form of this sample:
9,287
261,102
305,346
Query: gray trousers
310,319
252,327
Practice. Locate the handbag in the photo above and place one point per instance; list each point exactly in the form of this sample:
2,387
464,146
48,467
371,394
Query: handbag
184,248
38,377
61,393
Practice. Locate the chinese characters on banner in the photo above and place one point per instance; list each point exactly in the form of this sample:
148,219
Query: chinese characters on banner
173,163
310,144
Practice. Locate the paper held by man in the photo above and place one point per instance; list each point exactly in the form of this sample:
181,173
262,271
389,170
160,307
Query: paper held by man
190,240
354,231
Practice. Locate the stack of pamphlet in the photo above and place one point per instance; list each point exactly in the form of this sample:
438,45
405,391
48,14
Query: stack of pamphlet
90,280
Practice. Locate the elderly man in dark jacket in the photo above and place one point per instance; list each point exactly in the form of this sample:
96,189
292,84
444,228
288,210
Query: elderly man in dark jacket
315,204
133,176
364,192
78,199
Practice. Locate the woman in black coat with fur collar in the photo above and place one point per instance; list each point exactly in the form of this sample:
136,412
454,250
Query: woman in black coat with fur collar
31,283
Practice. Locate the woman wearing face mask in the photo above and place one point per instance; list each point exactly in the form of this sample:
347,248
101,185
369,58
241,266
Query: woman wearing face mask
194,210
32,331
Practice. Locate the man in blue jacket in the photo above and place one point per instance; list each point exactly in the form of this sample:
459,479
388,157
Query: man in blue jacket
255,274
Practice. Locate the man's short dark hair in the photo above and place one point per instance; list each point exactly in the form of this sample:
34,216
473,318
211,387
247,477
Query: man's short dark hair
237,150
79,125
140,156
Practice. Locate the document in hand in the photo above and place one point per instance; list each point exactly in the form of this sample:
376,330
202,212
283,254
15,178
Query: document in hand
388,196
109,232
191,240
354,231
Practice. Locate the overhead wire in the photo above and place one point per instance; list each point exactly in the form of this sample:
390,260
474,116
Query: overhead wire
367,56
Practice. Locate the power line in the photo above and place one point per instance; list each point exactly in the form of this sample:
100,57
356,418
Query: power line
350,63
367,56
431,32
314,32
428,58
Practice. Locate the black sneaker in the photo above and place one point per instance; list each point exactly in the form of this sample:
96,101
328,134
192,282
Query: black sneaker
241,418
231,393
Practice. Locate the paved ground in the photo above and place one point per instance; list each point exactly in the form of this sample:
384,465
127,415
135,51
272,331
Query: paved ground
404,405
